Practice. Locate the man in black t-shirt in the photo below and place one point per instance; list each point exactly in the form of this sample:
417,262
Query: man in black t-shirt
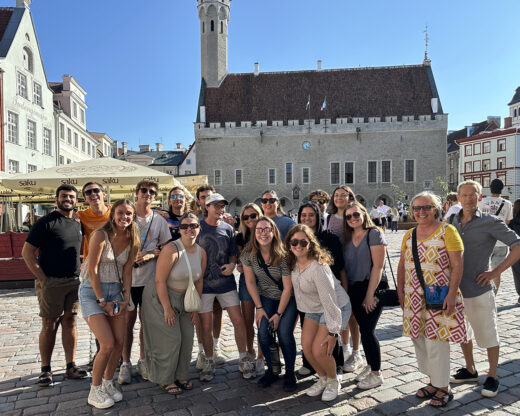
57,237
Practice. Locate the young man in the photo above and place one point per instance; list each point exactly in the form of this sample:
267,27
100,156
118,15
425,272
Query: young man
503,209
480,232
154,232
202,193
322,198
383,210
57,237
92,218
218,239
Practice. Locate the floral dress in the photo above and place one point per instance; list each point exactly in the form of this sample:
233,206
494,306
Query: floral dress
435,264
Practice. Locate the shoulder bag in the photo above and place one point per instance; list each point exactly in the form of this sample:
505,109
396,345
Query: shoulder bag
263,265
433,295
192,302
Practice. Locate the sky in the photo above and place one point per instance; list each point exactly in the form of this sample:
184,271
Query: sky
139,61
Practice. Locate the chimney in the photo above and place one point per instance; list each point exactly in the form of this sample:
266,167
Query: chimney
144,148
158,147
319,64
124,147
178,145
23,3
115,146
435,105
508,122
257,68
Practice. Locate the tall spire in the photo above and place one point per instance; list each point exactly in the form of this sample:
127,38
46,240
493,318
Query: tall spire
427,60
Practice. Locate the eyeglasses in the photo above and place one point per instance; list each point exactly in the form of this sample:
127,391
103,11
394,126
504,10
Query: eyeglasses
344,196
423,207
89,192
303,243
268,200
148,191
356,215
175,196
265,230
320,201
252,216
219,207
191,226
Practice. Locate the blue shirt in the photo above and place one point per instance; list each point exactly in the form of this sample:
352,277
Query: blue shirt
219,244
284,224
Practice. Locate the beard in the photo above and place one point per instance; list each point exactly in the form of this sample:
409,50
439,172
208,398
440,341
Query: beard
64,208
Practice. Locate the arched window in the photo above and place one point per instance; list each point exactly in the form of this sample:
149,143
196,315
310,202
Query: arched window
203,27
221,27
212,25
27,59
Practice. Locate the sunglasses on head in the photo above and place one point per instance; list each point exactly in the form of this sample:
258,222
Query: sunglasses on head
252,216
320,201
148,191
356,215
191,226
270,200
175,196
423,207
89,192
304,243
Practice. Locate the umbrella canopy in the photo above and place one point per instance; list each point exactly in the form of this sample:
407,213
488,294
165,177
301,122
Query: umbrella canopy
118,175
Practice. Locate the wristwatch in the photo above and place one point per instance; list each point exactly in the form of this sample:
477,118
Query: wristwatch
333,335
279,314
100,300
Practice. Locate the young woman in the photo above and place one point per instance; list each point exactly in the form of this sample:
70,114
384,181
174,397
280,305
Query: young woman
248,217
364,254
271,208
263,261
168,328
106,272
325,303
341,197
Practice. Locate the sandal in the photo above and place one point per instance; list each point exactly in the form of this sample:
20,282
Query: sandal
171,389
425,393
185,385
75,373
45,379
443,399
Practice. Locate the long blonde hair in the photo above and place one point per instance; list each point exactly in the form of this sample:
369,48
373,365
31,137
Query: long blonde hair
276,251
132,231
316,252
242,227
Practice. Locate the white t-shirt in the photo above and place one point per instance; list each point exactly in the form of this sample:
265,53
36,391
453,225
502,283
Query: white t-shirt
383,209
491,204
155,234
454,209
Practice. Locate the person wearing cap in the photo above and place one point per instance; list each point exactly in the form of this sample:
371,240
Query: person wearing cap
217,238
503,209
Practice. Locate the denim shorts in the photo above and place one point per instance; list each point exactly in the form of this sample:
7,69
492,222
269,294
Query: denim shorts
243,293
88,299
320,317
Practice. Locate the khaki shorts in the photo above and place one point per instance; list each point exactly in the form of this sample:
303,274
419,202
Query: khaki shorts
225,299
57,295
481,319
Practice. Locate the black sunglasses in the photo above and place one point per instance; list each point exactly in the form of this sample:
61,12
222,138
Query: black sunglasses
356,214
295,242
148,191
252,216
192,226
270,200
423,207
89,192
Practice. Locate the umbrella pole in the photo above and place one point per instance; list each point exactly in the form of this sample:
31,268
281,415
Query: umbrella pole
108,195
19,219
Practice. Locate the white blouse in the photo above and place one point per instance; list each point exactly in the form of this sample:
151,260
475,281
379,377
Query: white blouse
317,291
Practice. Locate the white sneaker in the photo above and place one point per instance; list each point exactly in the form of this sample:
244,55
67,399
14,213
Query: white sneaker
331,390
217,356
247,367
141,369
98,398
347,352
370,381
125,373
304,371
260,367
354,362
208,370
200,360
109,388
317,388
363,373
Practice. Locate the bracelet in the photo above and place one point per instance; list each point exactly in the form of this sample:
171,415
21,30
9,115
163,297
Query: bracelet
279,314
259,307
333,335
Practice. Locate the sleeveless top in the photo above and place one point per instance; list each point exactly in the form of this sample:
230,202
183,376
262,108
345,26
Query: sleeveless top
106,268
179,275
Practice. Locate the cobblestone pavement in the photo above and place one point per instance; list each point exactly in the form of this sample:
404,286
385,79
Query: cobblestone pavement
229,394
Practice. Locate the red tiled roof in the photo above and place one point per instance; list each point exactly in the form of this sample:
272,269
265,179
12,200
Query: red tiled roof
5,16
363,92
495,133
458,135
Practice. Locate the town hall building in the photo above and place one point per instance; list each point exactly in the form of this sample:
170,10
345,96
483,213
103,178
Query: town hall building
296,131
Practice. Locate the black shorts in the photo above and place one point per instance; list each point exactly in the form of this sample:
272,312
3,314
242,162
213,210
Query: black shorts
383,221
137,295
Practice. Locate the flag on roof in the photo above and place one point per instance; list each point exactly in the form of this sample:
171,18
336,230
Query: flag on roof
308,102
324,105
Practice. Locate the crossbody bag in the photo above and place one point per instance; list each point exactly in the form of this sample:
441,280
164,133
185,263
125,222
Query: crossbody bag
192,301
263,265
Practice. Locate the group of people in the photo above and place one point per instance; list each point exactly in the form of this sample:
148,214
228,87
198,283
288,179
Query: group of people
175,271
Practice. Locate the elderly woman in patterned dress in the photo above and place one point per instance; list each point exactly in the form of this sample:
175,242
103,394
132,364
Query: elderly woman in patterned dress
440,252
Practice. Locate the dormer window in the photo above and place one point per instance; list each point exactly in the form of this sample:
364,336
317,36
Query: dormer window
27,59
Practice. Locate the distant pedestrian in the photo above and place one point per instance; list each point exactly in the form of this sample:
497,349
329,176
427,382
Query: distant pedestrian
57,237
452,205
383,210
395,219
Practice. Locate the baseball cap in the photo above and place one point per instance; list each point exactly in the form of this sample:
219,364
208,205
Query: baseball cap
496,186
213,198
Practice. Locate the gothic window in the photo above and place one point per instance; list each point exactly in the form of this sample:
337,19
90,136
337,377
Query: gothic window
203,27
222,29
212,25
